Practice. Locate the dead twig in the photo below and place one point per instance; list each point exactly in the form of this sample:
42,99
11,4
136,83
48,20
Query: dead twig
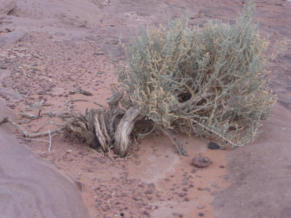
101,130
50,141
75,100
81,91
7,119
36,105
45,124
49,114
179,146
46,133
29,135
100,105
30,116
35,139
38,129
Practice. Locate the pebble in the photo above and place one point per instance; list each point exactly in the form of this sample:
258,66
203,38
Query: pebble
213,146
98,53
200,161
199,206
79,185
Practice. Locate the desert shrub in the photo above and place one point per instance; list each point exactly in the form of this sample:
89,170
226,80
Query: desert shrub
209,81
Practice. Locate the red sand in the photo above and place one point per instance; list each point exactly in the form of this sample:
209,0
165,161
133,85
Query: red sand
48,49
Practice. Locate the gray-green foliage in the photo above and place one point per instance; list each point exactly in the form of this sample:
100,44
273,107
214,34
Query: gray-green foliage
209,81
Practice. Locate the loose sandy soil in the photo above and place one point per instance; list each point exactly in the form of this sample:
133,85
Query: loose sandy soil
49,49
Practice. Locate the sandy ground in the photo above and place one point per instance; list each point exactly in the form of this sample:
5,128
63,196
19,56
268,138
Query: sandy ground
49,49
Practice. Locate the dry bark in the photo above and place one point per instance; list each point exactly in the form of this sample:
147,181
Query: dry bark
124,129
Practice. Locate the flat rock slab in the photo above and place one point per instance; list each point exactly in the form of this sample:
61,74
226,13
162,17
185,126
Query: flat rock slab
260,174
10,38
6,6
31,188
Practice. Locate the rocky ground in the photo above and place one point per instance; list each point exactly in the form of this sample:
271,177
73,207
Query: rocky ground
51,50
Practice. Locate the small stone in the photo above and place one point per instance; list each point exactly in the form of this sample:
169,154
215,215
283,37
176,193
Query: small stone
181,195
175,214
42,92
69,150
200,214
11,106
135,198
149,198
146,213
105,208
203,189
148,192
215,185
213,146
79,185
199,206
201,162
191,186
99,53
43,154
193,171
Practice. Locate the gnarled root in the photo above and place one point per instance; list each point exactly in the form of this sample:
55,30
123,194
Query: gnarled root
111,127
81,128
124,129
101,130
